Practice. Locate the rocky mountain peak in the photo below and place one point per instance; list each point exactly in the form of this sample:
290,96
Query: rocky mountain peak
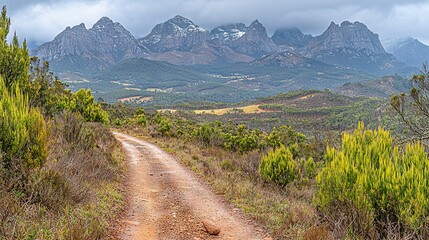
254,42
105,44
103,22
80,27
178,33
256,24
225,34
349,35
181,21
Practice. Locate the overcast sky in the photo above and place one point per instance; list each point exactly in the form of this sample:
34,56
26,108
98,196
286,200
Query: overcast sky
41,20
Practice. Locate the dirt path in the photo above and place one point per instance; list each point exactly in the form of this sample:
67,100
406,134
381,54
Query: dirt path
168,202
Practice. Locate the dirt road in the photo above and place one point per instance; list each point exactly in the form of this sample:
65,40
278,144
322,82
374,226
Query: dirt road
168,202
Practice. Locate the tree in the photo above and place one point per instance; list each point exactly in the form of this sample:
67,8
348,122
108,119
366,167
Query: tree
47,92
82,102
14,60
413,109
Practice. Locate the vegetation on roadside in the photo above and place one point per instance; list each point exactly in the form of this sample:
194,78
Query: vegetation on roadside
60,167
380,191
366,186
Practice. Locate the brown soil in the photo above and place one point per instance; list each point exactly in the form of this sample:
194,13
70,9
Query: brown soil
167,201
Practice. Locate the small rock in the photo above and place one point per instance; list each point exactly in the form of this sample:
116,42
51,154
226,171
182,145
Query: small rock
210,227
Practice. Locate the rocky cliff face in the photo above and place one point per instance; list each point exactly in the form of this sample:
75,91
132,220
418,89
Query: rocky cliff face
353,46
80,49
178,33
254,42
347,35
114,40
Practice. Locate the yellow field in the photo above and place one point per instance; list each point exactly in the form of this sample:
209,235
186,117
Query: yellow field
222,111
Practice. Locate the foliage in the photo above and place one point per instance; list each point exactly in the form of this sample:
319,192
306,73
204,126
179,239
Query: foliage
164,125
413,109
14,60
82,102
47,92
278,166
284,135
22,131
373,178
310,168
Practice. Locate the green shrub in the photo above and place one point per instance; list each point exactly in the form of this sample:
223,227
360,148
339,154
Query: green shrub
164,126
278,166
141,119
373,178
82,102
310,167
22,131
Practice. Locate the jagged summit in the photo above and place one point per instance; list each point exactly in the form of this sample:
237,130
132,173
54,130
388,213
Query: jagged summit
181,21
178,33
256,24
103,22
78,27
78,48
349,35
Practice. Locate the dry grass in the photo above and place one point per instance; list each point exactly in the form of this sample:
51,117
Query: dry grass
77,192
246,109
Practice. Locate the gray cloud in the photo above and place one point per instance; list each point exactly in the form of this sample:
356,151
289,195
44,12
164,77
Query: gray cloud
42,20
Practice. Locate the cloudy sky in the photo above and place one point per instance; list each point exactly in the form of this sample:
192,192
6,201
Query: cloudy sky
41,20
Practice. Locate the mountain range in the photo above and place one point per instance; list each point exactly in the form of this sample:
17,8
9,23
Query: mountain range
182,42
231,62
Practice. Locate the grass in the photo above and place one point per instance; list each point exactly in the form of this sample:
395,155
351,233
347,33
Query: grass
249,109
246,109
77,194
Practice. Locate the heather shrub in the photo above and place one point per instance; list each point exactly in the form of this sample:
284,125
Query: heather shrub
278,166
22,131
375,182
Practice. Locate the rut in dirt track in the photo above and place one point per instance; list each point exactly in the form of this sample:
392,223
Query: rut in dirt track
166,201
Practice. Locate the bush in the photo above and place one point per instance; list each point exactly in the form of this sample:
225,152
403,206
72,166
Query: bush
82,102
370,176
22,131
310,167
278,166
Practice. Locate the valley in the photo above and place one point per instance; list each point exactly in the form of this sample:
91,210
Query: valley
240,126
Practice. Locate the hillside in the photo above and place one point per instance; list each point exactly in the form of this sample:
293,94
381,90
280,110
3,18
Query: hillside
382,88
306,111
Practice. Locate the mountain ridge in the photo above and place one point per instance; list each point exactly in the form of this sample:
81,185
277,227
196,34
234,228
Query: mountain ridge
182,42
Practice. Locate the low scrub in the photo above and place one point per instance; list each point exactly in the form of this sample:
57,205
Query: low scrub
372,189
279,166
75,194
